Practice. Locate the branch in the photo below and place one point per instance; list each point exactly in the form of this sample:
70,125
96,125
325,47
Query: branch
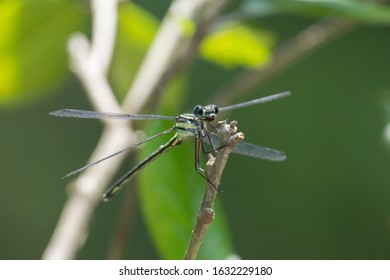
90,61
165,48
190,52
214,168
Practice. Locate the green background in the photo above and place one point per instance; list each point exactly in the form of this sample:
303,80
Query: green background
328,200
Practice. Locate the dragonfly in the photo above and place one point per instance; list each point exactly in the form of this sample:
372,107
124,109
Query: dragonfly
196,124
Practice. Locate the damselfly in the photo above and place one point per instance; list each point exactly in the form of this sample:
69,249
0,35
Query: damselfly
196,124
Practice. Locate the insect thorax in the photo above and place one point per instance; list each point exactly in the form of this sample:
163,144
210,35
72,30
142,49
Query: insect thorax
186,125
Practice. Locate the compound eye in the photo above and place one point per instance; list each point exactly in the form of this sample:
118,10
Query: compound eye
198,111
215,108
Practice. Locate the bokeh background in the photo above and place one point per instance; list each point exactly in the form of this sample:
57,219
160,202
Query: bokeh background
328,200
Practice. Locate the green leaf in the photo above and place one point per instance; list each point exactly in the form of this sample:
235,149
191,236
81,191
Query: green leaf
357,10
171,192
237,45
32,47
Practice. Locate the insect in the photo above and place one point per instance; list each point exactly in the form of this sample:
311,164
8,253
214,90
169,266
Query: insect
197,125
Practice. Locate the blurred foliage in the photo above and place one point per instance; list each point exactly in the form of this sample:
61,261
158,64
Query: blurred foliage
361,11
327,201
221,46
32,47
34,34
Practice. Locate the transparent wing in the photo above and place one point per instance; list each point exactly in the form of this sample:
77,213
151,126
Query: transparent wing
117,153
256,101
252,150
84,114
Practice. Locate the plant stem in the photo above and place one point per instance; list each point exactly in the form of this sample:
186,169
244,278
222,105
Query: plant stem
214,168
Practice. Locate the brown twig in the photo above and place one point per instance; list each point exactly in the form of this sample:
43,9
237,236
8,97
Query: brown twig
214,168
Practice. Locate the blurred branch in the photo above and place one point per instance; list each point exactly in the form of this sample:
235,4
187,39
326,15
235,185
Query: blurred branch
90,62
214,168
190,52
169,40
307,41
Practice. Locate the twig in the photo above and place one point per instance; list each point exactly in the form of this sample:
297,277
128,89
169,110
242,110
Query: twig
214,168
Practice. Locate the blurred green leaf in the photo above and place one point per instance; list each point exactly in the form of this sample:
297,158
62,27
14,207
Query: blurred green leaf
362,11
171,192
136,30
32,47
236,44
